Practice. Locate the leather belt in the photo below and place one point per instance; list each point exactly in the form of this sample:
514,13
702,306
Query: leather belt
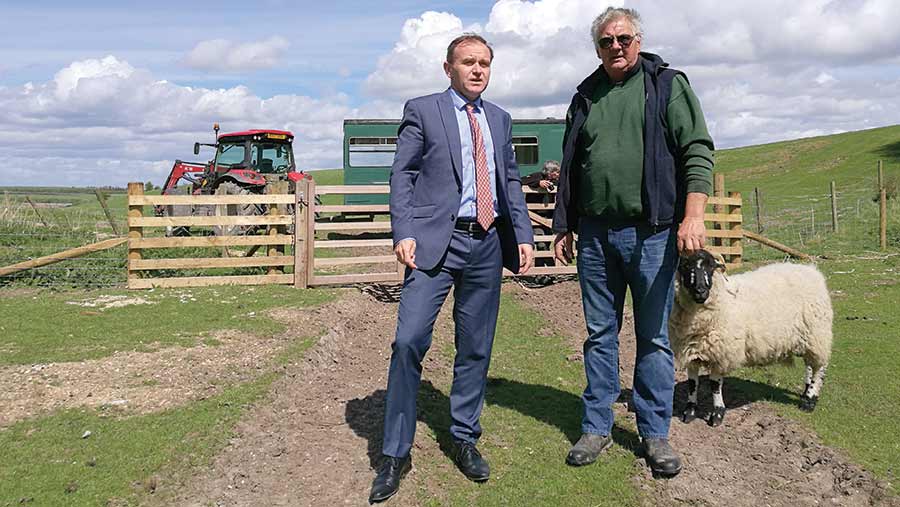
471,226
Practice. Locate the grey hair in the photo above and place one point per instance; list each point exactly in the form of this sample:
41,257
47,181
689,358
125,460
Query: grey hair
612,14
550,166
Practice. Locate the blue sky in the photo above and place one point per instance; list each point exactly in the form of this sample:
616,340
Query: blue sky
333,45
109,92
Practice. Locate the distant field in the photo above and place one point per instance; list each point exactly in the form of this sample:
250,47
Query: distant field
793,178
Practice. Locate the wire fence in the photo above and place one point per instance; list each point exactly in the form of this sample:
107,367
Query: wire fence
825,224
46,222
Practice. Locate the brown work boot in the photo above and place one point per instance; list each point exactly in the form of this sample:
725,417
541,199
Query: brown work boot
587,449
661,457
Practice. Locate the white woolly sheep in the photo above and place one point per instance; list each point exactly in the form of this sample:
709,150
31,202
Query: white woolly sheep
721,323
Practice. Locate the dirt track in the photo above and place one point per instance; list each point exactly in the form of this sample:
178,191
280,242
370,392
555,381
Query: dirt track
313,441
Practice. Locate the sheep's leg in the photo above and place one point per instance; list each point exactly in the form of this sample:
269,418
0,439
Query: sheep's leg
809,378
718,412
811,395
690,411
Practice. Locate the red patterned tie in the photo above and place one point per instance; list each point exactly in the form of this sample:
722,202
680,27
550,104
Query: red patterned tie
484,199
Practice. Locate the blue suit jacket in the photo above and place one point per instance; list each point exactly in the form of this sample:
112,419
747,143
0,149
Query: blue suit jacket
426,182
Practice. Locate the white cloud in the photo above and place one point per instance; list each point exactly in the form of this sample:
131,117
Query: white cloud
764,71
104,122
229,56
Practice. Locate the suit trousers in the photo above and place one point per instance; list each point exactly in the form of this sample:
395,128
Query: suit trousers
473,266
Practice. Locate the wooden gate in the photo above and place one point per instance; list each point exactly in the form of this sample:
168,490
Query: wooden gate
141,238
333,244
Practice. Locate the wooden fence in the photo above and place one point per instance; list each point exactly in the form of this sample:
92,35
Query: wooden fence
726,233
275,239
334,244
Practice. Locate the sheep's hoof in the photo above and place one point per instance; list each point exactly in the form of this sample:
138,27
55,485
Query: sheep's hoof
689,414
716,417
808,403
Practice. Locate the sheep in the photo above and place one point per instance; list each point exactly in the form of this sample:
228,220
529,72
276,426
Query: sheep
751,319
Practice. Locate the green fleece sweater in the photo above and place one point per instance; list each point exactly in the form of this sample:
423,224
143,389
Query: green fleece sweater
610,153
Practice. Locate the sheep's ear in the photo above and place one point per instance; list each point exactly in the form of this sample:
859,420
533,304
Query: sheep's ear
720,261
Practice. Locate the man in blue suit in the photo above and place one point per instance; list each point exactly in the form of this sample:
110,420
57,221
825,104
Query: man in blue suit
458,217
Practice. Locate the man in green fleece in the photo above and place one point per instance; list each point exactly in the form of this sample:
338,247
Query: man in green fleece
634,180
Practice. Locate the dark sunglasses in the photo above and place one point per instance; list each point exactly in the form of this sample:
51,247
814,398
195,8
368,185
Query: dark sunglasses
625,40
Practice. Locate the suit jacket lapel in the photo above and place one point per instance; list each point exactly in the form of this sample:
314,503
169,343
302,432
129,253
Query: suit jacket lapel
498,137
451,127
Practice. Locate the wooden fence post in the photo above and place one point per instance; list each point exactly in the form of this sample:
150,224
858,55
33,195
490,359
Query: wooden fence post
278,187
834,211
135,234
719,191
880,176
311,232
736,210
109,218
36,212
301,196
759,213
882,229
882,208
812,222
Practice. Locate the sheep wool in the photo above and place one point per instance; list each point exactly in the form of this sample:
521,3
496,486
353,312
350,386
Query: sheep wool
750,319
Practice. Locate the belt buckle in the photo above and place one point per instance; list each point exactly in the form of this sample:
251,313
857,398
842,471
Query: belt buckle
467,226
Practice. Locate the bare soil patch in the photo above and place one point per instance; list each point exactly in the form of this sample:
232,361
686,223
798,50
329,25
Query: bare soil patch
140,382
315,440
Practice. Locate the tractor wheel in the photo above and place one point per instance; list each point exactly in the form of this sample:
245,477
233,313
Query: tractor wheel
231,188
179,210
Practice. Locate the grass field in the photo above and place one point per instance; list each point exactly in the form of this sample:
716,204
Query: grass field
74,326
533,401
861,396
46,460
536,390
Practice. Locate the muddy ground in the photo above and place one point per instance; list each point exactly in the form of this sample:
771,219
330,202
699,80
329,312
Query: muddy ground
313,441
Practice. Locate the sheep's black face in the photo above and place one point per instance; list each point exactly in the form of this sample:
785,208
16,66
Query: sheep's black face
696,273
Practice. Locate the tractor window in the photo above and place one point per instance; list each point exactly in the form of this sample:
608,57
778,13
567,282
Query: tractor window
231,154
372,151
526,149
271,157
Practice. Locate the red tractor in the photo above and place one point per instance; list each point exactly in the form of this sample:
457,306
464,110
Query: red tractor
244,162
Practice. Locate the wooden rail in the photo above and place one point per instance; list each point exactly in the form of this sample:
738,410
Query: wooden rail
274,224
61,256
327,250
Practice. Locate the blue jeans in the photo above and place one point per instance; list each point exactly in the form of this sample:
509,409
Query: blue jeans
609,260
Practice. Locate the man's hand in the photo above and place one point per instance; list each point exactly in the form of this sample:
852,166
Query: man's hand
406,252
563,247
692,230
545,184
691,235
526,257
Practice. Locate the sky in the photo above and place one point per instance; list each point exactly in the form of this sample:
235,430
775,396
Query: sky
97,92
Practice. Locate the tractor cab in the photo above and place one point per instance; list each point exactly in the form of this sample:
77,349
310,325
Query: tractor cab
243,163
246,160
265,152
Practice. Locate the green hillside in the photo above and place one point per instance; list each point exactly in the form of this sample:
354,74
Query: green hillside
801,166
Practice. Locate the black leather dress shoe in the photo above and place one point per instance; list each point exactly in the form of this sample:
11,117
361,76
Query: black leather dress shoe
387,482
470,462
